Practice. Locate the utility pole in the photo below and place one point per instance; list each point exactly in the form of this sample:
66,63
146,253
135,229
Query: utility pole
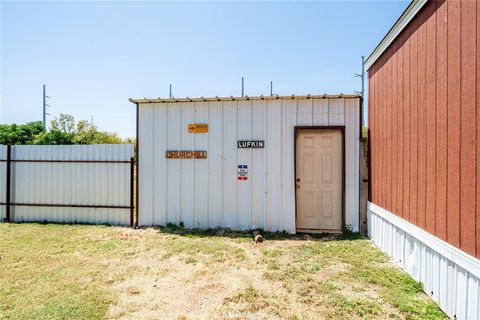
271,88
243,88
45,105
44,110
362,92
363,76
170,91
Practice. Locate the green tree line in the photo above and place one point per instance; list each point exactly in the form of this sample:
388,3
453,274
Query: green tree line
63,130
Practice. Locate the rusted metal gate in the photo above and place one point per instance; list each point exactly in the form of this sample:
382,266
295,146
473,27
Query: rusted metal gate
67,184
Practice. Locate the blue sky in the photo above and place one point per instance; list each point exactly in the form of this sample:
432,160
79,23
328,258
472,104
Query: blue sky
93,56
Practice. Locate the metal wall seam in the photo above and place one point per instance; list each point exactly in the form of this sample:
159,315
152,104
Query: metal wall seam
200,174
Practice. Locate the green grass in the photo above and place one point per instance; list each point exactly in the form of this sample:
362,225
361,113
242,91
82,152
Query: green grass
364,132
50,271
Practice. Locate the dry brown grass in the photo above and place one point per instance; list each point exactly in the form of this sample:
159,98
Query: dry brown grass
91,272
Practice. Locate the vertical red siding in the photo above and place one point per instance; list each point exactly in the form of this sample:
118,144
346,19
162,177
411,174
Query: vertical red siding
441,124
468,133
384,162
430,123
421,112
380,148
424,99
413,125
395,130
453,124
400,106
377,118
390,158
371,116
406,123
376,154
477,232
372,113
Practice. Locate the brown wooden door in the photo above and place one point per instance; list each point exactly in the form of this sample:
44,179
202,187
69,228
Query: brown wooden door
319,163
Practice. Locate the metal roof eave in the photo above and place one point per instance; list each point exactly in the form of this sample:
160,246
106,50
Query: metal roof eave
231,98
409,13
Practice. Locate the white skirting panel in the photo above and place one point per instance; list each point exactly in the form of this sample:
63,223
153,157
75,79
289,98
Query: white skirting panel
450,276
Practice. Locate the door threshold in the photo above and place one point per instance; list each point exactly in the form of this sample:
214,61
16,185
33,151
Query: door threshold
333,231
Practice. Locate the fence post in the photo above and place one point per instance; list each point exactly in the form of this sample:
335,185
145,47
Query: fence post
9,169
132,202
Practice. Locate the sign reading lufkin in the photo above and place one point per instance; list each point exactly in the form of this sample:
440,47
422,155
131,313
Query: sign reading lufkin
250,144
197,128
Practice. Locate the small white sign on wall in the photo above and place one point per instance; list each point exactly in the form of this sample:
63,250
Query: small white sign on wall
242,172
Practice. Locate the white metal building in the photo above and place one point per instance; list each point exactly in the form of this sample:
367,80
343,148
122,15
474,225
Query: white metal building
278,163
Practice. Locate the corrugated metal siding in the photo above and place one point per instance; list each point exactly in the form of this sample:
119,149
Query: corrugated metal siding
69,183
206,193
423,104
450,277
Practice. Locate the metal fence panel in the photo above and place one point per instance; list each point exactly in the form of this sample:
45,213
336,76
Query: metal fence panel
70,183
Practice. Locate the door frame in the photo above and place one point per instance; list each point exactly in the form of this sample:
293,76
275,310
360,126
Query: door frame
295,133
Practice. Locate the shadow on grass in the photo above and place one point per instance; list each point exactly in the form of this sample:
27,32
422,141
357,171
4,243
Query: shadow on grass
283,235
55,223
223,232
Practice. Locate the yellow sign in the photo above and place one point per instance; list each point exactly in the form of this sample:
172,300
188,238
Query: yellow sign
197,128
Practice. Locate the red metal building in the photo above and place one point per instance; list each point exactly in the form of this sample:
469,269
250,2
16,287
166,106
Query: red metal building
424,137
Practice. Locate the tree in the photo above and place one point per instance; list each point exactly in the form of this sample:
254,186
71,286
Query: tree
87,133
64,123
63,130
20,133
55,137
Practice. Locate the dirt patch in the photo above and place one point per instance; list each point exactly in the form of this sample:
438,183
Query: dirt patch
182,290
191,291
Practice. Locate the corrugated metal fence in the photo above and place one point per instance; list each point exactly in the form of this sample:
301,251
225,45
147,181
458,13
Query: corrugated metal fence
67,184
